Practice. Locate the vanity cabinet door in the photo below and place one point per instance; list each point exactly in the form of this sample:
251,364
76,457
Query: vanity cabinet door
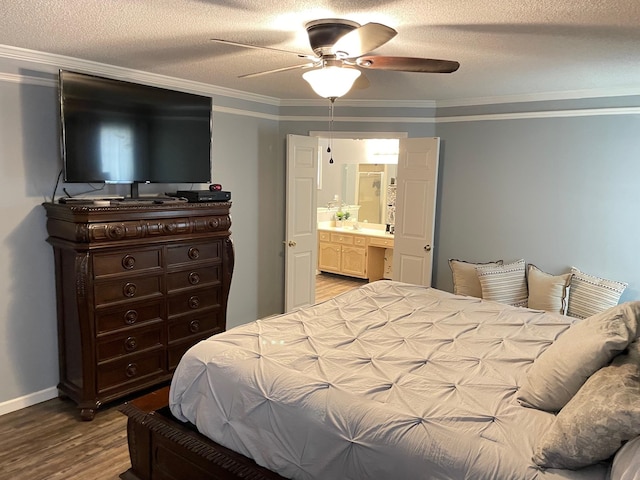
354,261
329,257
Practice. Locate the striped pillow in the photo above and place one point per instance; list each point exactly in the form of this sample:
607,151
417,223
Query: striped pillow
504,283
590,295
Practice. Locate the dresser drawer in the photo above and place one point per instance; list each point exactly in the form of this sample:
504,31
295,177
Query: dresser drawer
136,314
130,369
125,262
381,242
197,276
324,236
180,254
193,301
136,340
126,289
169,226
342,238
209,322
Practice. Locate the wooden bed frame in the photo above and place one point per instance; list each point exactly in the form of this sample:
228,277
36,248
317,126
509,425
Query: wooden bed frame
164,448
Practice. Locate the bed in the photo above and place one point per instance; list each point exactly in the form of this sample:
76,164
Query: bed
387,381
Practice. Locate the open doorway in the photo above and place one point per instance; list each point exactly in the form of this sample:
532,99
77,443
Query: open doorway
364,164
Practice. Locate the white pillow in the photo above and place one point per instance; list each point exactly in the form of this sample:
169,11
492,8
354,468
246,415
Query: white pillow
559,372
590,295
626,463
504,283
465,277
547,292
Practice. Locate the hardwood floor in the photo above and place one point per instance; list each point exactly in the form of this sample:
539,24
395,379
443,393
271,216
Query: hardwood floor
329,285
48,441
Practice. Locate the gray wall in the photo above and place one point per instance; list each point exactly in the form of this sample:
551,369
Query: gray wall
555,191
247,160
558,192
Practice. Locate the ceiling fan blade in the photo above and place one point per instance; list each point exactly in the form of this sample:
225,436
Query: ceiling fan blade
258,47
364,39
407,64
276,70
361,82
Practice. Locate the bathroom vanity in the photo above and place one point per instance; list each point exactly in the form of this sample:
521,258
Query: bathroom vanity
355,252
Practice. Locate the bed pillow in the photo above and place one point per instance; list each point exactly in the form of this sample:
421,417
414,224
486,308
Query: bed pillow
465,277
595,423
626,463
547,292
590,295
590,344
504,283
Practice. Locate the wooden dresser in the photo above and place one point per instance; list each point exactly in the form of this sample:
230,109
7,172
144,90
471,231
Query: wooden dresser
137,284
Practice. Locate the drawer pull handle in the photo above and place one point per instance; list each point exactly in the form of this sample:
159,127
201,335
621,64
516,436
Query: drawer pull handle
214,223
129,290
194,278
130,317
130,344
131,370
194,326
194,302
194,253
115,232
128,262
169,227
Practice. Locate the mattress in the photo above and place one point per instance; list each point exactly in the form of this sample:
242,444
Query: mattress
388,381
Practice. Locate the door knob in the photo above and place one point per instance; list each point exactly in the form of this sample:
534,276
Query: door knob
427,248
292,243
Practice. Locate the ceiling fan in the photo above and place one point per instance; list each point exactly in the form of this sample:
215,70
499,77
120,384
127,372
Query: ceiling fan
342,47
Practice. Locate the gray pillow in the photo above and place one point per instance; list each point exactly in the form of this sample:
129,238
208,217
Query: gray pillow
559,372
595,423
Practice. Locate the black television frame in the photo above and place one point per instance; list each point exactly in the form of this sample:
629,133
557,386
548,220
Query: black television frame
106,97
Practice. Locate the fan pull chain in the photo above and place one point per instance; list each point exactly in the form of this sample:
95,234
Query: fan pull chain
332,99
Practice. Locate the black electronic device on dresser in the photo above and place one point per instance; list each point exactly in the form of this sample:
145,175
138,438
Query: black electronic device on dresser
205,195
137,285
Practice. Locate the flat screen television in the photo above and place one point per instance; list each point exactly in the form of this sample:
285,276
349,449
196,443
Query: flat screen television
121,132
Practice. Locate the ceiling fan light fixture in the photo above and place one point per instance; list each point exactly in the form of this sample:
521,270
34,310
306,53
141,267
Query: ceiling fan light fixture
331,81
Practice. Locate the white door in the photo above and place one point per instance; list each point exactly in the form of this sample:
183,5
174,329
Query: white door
417,181
301,225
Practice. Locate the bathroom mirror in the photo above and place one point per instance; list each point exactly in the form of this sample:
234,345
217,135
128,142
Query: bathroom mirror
361,174
372,187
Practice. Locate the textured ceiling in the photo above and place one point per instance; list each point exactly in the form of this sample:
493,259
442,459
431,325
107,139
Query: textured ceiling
505,47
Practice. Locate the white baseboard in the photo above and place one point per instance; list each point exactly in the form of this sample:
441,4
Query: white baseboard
28,400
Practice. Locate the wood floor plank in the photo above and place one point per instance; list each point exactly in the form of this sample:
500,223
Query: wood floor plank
49,441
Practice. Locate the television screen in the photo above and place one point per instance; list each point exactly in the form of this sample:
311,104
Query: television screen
121,132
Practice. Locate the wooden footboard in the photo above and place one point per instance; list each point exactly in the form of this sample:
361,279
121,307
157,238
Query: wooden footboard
163,448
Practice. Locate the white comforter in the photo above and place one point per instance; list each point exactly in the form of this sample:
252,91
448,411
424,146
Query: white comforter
390,381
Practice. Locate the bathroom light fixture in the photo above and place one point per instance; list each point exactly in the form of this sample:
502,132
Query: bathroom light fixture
331,81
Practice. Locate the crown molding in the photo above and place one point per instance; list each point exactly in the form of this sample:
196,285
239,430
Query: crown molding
345,102
338,118
586,112
56,62
540,97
